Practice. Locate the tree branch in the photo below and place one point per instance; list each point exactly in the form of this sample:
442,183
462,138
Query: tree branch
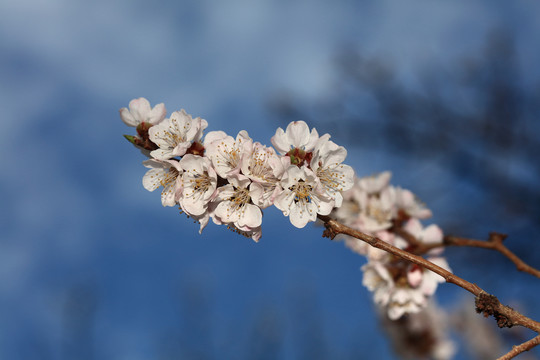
494,242
518,349
486,303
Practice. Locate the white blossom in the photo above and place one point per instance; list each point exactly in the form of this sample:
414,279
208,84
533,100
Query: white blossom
165,173
400,286
140,111
199,182
296,136
226,152
175,135
302,198
377,210
235,204
334,176
265,168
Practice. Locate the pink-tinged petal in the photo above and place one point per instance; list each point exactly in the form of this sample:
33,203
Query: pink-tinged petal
414,276
284,202
140,108
313,138
214,136
395,312
193,207
332,154
252,216
151,179
300,217
157,114
414,227
375,183
169,194
432,235
386,236
383,272
161,154
128,118
381,295
428,285
280,142
298,134
400,296
325,205
224,213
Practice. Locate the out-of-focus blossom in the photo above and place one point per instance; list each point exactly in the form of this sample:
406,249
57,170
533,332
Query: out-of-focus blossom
375,183
410,204
420,336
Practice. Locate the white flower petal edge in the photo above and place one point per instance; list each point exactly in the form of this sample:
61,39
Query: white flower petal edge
296,136
140,111
302,198
235,205
334,176
199,182
265,168
167,174
375,183
175,135
226,153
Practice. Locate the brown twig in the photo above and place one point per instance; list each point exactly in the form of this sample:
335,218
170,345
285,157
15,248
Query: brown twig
486,303
494,242
518,349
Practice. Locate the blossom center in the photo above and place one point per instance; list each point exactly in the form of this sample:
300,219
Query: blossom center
230,155
239,199
169,176
302,192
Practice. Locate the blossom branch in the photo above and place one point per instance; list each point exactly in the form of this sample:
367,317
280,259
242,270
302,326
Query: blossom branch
486,303
518,349
494,242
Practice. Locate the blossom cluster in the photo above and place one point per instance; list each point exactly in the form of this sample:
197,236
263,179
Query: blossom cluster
393,214
232,179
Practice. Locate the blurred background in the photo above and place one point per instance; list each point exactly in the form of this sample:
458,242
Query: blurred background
443,94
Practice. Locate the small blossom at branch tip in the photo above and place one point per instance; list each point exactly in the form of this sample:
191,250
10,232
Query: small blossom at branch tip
175,135
140,112
296,136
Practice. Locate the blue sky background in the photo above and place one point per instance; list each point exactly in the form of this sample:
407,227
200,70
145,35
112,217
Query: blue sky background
93,267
